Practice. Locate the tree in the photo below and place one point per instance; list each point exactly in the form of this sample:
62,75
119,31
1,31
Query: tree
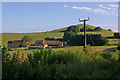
73,29
109,30
98,29
118,46
116,35
92,39
27,39
48,38
23,45
68,35
87,29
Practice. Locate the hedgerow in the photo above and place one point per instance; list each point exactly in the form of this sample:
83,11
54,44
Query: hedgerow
45,63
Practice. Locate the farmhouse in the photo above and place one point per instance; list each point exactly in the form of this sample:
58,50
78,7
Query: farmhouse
41,43
14,43
45,44
54,43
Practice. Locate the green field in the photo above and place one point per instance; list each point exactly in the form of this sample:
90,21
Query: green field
59,34
52,34
36,36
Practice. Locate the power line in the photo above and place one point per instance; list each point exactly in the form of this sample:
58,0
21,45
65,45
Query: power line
92,42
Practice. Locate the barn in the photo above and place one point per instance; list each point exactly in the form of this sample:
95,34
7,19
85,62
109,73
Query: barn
54,43
14,43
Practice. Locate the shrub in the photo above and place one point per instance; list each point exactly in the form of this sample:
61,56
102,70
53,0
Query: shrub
118,46
116,35
23,45
73,29
27,39
98,29
109,30
87,29
44,63
114,56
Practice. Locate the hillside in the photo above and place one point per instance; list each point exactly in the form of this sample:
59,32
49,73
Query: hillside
80,25
58,33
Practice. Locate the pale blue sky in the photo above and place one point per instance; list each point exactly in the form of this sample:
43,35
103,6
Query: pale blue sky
46,16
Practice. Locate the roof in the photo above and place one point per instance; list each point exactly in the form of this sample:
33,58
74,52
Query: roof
39,40
15,41
53,42
42,41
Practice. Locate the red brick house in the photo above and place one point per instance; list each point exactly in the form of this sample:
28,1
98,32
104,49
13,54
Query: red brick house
14,43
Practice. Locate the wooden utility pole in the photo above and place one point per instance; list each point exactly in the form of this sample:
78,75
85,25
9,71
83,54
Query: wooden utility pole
84,30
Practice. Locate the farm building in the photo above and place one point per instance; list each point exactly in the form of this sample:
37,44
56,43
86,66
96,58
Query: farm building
45,44
54,43
14,43
41,43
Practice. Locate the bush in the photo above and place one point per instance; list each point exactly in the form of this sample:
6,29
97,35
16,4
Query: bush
44,63
117,35
27,39
98,29
118,46
109,30
68,35
73,29
23,45
114,56
47,38
87,29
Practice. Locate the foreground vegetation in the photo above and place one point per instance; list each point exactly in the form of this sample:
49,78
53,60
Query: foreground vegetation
45,63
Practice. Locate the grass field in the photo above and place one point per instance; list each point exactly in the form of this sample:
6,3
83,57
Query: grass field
53,34
58,33
36,36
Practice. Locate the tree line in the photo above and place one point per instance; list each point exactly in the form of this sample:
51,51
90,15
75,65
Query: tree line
73,38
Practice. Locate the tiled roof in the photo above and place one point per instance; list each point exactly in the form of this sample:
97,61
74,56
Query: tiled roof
39,40
42,41
53,42
15,41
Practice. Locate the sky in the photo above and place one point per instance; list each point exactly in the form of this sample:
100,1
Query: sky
27,17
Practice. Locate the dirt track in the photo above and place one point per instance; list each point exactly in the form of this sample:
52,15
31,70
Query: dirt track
105,49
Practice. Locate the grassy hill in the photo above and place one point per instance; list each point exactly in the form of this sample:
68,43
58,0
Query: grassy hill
58,33
80,25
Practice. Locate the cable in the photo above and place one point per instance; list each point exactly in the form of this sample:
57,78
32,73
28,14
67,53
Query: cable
93,43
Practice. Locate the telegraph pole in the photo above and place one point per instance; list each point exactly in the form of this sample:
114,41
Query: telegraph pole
84,30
